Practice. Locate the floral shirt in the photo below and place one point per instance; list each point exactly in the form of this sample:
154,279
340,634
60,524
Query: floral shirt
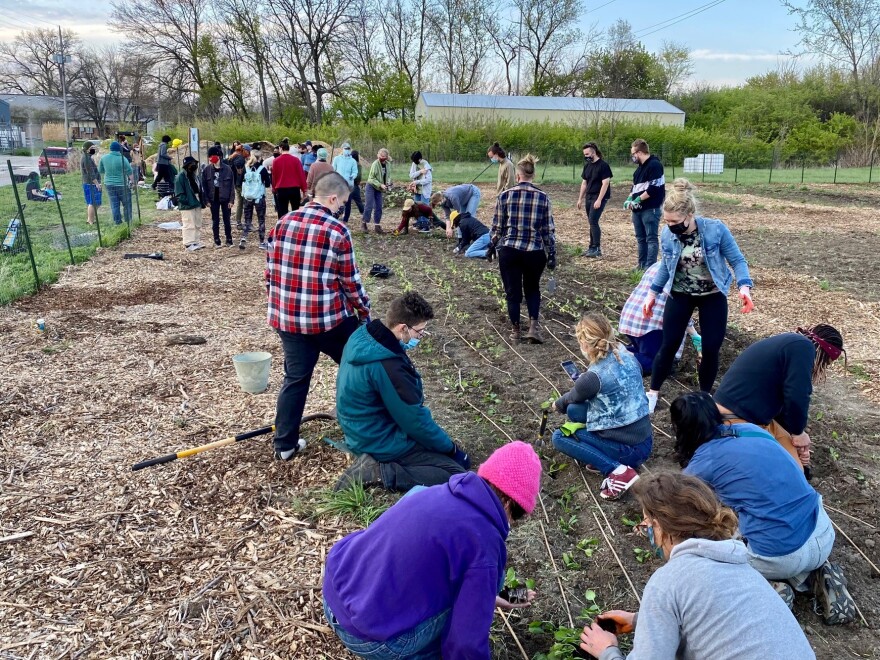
692,275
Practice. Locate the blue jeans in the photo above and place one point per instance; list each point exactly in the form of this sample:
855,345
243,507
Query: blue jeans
420,643
604,455
796,566
373,205
645,348
473,203
117,195
646,224
478,248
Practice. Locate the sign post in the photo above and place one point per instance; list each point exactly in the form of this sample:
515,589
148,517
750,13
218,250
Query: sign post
194,143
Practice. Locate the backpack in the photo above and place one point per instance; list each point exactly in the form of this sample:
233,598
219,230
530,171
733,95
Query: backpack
252,188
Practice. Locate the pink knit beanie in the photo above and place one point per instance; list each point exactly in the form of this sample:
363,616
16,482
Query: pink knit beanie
515,470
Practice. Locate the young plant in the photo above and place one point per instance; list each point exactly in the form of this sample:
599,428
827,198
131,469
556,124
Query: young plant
588,546
569,562
566,640
354,502
566,497
555,468
591,610
567,524
631,522
642,555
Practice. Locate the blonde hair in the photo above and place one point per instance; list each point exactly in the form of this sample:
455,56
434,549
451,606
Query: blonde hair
595,331
681,198
526,166
252,160
383,152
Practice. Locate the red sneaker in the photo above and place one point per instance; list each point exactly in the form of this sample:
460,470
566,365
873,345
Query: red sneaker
616,485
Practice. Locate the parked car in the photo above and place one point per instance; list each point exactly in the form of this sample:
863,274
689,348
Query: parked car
57,161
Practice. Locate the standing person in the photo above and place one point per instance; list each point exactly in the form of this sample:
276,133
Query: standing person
137,165
771,382
306,155
645,334
695,271
705,601
595,193
381,407
524,236
253,189
645,200
421,176
464,198
189,200
506,170
91,179
125,147
318,169
218,188
316,298
473,236
288,180
116,173
788,535
276,151
609,427
238,161
348,169
378,181
356,196
445,549
163,163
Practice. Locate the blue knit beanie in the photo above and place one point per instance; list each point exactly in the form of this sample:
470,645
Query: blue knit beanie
114,146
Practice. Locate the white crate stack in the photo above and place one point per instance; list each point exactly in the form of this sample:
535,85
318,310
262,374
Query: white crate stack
708,163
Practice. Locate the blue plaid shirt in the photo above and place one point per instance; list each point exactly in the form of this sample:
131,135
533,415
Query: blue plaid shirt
523,219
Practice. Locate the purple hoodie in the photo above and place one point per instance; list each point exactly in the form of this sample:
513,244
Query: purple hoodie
439,549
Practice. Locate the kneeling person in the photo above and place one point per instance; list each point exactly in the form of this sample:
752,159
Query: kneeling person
474,239
380,405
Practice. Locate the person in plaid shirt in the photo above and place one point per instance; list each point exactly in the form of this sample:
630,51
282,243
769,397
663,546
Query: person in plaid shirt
646,334
315,298
524,237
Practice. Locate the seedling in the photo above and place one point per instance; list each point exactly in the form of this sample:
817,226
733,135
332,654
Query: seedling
566,497
631,522
555,468
592,609
515,590
642,555
588,546
835,455
569,562
567,524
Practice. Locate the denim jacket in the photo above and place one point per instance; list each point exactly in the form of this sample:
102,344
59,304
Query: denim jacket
719,251
621,399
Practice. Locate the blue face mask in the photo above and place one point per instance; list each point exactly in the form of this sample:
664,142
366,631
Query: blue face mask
347,152
658,551
411,344
494,160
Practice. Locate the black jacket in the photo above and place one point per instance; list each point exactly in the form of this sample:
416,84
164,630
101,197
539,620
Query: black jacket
649,176
238,163
227,185
471,230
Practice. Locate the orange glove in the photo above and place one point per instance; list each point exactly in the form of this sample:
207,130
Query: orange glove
623,621
745,295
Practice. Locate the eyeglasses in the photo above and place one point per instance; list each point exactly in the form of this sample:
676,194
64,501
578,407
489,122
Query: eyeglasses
419,333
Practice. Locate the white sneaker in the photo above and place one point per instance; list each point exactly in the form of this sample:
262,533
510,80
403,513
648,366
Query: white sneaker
290,453
192,247
652,402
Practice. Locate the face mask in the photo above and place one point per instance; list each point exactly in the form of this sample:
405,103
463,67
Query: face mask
92,152
679,228
658,551
588,159
634,159
347,152
214,159
494,160
411,344
338,212
382,160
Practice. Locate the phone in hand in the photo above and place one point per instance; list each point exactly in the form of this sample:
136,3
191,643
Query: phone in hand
570,369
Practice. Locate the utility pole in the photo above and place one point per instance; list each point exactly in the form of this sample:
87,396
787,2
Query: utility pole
519,51
62,59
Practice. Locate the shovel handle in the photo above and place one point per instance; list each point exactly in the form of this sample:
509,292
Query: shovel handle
153,461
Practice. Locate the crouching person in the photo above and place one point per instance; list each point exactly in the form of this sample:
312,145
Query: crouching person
381,405
473,235
423,580
787,533
608,428
705,601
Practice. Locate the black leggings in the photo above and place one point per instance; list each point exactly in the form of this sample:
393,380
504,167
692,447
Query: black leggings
163,173
713,325
521,272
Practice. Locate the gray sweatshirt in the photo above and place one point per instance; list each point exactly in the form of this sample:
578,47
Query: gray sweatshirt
457,198
707,602
163,158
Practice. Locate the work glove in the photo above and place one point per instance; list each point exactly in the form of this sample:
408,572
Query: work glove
635,203
745,294
460,456
551,260
697,341
628,202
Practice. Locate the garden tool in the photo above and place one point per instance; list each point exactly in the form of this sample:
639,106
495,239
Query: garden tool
158,256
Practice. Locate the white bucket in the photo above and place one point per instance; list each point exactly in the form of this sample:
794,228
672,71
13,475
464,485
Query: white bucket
252,370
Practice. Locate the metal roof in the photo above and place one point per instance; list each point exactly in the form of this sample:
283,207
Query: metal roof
559,103
31,102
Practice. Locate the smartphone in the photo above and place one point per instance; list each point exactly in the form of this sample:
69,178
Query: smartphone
570,369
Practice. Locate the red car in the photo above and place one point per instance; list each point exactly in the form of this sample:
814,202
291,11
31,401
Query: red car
57,161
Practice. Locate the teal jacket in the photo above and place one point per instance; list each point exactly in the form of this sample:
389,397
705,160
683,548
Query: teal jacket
380,401
115,169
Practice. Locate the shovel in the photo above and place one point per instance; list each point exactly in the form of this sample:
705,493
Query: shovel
158,256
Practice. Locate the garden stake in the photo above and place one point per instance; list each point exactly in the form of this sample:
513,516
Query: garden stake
596,502
858,549
510,346
844,513
619,563
555,568
515,638
247,435
489,419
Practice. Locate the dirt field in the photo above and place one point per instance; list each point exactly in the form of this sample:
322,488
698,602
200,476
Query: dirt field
219,556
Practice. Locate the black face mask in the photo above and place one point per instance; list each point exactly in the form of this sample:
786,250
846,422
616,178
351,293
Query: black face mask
91,152
338,213
679,228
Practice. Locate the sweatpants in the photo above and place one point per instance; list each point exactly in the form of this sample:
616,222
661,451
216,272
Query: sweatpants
418,467
191,219
521,274
259,206
373,205
713,326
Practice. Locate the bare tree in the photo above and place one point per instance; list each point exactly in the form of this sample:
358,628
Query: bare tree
27,66
460,30
406,35
675,60
549,30
505,45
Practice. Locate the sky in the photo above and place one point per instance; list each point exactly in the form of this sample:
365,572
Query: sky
730,41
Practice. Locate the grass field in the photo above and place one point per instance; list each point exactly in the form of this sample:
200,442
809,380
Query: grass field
47,234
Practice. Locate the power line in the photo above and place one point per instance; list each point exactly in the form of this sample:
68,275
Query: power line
600,6
644,32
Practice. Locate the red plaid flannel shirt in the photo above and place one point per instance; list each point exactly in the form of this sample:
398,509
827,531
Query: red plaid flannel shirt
311,274
633,322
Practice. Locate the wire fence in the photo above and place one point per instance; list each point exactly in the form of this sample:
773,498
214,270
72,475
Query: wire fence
47,225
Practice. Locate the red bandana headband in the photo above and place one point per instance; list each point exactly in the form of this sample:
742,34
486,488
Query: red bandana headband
830,350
